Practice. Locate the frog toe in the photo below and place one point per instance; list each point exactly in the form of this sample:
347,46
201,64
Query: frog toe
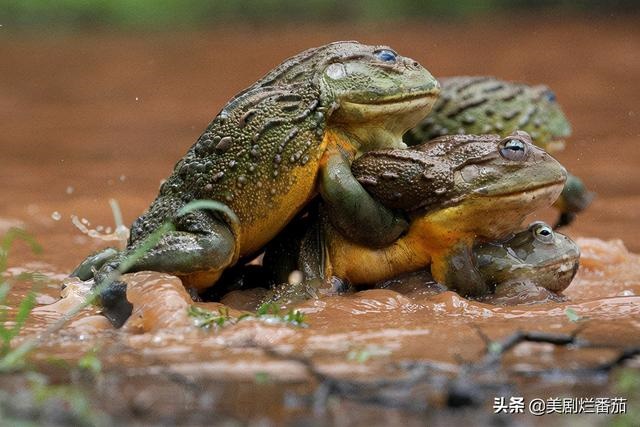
115,306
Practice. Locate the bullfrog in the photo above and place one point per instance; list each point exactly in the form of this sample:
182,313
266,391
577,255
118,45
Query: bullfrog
482,104
458,191
271,150
515,269
532,265
536,255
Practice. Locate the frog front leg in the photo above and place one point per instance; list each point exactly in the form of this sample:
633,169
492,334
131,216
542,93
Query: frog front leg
93,263
574,198
456,270
353,211
202,245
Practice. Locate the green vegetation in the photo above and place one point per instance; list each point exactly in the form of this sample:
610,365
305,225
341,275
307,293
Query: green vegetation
11,329
572,315
627,383
169,14
364,354
268,312
207,319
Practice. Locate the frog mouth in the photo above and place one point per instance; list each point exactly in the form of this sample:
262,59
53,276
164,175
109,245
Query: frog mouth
404,99
532,192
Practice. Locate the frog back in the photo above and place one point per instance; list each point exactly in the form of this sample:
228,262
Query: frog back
481,104
259,156
422,177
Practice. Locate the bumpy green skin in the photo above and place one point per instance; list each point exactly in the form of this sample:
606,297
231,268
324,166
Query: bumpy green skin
535,256
477,105
262,154
470,105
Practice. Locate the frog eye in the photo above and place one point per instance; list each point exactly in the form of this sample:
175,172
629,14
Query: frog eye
513,149
386,55
543,233
549,95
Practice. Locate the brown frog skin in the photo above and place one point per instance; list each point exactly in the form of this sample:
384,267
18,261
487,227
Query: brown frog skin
483,104
270,150
459,190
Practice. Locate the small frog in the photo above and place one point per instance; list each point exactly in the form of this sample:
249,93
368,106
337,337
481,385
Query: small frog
535,256
270,150
480,104
535,264
459,190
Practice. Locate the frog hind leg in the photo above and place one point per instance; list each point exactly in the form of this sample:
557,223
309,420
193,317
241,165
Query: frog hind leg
201,242
575,198
456,270
353,211
304,244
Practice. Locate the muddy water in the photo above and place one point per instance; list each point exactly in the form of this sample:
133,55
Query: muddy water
87,119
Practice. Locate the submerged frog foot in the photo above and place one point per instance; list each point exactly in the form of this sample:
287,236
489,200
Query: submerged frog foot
115,306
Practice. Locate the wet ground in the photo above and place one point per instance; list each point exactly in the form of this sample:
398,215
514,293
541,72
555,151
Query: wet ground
95,117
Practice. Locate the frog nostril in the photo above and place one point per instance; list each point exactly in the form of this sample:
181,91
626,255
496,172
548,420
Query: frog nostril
415,64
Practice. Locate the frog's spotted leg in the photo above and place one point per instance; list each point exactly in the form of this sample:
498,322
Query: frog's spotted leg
574,198
353,211
456,269
202,242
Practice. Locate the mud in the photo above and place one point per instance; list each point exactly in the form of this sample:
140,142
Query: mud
101,116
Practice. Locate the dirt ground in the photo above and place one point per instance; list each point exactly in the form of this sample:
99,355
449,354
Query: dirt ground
85,118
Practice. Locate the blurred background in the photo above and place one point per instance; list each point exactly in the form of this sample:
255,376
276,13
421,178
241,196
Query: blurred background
99,99
163,14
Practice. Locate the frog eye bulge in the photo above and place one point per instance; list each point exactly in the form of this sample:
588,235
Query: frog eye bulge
386,55
513,149
550,96
543,233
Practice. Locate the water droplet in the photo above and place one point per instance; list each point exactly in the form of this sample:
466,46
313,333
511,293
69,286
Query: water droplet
122,178
56,216
69,189
137,98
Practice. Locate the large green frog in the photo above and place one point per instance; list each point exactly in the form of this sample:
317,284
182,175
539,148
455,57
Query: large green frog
479,104
270,150
459,190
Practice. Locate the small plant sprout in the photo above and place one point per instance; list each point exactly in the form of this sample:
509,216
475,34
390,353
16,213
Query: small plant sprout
572,315
268,312
207,319
362,355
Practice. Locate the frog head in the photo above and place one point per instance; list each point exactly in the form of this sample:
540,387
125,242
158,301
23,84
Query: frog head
536,255
480,184
373,95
